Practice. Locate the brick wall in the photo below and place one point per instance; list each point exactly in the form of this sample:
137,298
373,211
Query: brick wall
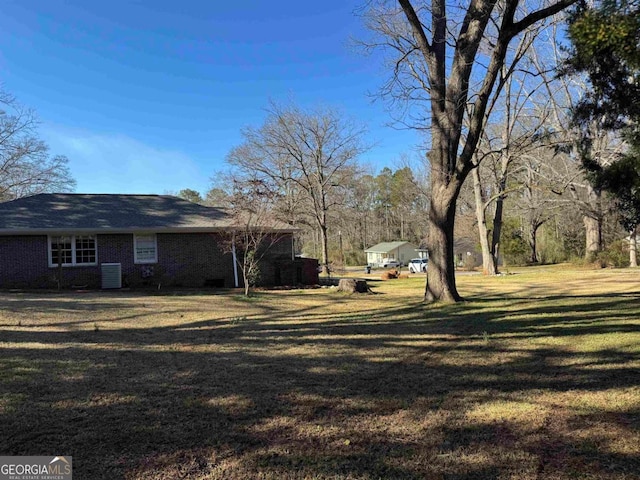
118,248
184,260
194,260
24,262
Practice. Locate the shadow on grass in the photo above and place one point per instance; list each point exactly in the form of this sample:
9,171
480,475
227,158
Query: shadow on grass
488,389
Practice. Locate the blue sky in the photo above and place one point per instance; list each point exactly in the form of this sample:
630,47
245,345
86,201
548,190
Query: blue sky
150,96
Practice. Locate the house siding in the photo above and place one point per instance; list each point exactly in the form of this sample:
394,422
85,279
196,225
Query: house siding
114,248
276,267
184,260
24,262
403,253
194,260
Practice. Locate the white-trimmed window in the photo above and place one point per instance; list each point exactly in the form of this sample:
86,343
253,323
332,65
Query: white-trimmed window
145,248
72,250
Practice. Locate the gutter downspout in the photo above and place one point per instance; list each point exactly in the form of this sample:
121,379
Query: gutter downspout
235,259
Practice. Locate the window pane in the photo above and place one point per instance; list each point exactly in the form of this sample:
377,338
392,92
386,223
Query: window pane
61,250
85,249
66,257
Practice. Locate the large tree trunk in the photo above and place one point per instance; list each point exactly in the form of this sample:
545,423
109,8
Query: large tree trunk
592,220
633,248
593,232
533,243
497,230
441,280
488,261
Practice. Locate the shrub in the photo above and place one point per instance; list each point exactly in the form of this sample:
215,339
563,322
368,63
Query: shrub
551,249
615,255
514,248
355,257
470,263
577,261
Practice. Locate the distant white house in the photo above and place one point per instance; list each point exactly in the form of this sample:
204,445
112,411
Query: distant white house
401,251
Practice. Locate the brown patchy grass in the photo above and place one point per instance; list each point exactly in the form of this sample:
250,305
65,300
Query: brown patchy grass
536,376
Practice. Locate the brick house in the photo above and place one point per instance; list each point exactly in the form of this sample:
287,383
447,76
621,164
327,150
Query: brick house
131,240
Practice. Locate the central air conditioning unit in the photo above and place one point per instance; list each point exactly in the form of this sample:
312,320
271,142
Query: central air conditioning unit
111,275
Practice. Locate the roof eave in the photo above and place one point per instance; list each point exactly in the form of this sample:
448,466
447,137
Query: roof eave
127,230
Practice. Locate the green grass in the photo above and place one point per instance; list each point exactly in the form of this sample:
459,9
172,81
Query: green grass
535,376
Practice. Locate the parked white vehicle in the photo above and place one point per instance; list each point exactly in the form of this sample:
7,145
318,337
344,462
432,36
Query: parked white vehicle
418,265
390,263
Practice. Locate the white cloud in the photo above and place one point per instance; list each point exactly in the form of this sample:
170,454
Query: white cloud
116,163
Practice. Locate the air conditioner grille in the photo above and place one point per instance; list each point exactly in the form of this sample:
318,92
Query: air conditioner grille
111,275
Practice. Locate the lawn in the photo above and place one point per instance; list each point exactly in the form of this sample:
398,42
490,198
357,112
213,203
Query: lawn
536,376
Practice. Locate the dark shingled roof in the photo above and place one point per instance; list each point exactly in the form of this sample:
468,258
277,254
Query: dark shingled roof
58,212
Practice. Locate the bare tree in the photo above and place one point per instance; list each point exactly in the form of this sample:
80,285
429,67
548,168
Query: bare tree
537,203
513,130
563,95
254,233
357,216
305,156
26,167
446,59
